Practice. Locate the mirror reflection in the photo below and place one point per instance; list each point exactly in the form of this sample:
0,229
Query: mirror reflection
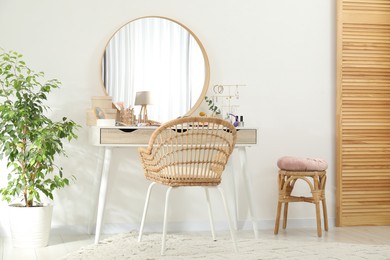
160,56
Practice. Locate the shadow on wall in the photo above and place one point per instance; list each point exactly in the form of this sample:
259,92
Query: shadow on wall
76,205
72,204
125,202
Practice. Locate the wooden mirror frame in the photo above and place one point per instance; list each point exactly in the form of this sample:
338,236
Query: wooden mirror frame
202,95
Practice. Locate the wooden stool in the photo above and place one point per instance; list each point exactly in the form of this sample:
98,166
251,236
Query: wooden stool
312,171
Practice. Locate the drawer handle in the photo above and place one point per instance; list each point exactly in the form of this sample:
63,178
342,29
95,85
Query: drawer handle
227,130
179,130
126,130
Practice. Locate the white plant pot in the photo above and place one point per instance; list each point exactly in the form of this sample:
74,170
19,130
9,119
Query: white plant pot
30,226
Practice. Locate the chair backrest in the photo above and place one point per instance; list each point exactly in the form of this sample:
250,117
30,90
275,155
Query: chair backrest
189,151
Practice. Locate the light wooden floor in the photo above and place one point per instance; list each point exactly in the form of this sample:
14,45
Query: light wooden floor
60,245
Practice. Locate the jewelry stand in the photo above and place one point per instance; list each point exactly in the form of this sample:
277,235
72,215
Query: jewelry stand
227,98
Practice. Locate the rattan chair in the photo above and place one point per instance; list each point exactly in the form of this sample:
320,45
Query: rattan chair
189,151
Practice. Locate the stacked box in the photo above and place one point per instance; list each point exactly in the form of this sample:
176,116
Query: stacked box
102,102
106,105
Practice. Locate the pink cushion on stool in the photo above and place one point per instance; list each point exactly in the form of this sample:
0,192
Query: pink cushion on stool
290,163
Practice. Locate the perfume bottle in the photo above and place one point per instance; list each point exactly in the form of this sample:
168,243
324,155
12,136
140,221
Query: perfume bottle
236,122
241,121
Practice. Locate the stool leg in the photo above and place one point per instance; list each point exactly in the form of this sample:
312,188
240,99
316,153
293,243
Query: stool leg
285,215
316,192
324,208
318,216
325,211
276,230
278,211
287,191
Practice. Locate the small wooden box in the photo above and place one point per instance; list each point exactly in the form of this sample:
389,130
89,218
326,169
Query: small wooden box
104,102
91,117
109,113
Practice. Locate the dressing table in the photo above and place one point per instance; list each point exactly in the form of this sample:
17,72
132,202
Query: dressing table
194,89
130,136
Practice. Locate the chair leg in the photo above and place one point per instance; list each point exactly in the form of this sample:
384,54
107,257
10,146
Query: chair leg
277,221
210,213
145,211
318,216
229,219
285,215
165,220
325,211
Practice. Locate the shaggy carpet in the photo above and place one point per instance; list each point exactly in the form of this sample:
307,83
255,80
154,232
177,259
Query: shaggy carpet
195,246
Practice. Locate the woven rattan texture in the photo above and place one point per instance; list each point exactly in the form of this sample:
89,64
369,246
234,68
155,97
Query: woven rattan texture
316,180
189,151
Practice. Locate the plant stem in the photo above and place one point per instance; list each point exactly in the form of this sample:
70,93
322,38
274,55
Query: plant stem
23,165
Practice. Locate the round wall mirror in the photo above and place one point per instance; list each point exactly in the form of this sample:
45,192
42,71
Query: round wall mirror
162,57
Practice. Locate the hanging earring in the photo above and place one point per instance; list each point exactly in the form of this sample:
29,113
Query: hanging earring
220,89
237,93
215,89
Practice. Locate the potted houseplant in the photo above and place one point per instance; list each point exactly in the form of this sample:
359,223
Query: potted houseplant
29,142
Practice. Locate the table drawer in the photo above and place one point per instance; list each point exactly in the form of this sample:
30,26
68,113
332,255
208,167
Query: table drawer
124,136
247,136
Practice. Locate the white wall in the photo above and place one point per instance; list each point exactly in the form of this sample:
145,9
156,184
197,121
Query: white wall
283,50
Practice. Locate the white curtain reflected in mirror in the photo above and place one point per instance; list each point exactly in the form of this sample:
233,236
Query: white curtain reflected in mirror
157,55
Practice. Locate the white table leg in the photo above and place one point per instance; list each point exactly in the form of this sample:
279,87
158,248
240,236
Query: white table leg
99,169
247,188
103,191
233,192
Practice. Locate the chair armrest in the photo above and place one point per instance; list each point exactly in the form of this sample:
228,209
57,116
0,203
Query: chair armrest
143,150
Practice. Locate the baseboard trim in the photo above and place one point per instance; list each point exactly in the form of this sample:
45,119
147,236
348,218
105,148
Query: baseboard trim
116,228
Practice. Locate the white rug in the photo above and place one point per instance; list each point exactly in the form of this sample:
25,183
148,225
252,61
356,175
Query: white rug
195,246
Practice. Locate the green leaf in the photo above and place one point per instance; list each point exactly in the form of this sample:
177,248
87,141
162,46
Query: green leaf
29,140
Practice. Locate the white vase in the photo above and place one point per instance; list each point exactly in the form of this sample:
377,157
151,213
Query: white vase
30,226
